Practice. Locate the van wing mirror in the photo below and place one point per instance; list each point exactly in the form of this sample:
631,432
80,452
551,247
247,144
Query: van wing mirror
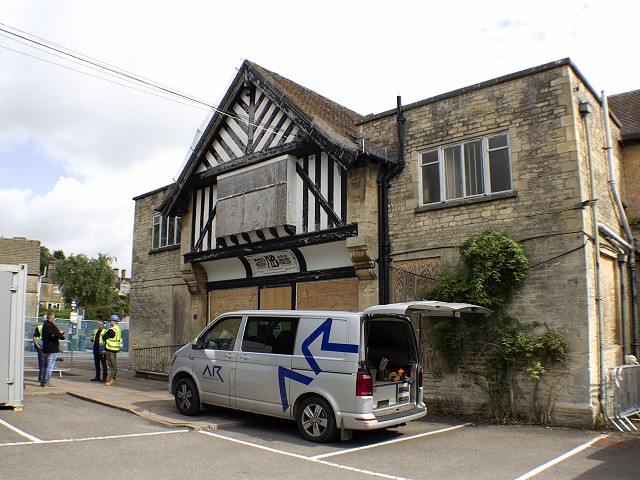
197,344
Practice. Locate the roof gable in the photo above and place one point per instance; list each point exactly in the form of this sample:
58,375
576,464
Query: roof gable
264,112
626,106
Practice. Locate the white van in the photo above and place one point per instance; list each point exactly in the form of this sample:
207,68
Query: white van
329,371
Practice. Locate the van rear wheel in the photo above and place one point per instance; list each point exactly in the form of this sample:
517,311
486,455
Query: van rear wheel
316,421
187,397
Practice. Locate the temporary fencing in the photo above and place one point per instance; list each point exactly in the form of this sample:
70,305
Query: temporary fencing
623,396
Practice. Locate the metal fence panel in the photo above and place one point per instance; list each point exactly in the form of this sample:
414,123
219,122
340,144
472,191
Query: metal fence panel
623,396
153,359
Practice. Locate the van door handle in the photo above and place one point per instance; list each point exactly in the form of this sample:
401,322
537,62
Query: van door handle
245,357
228,355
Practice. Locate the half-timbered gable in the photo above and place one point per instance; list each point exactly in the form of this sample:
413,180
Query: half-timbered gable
264,197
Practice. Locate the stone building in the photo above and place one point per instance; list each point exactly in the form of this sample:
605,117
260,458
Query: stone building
20,250
292,201
626,106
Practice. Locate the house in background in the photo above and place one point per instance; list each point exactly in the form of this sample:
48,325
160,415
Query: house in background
20,250
292,201
50,294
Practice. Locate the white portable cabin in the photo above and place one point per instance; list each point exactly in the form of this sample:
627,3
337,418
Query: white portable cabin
13,292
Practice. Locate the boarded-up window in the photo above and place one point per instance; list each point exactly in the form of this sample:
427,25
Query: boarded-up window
411,277
275,298
232,299
330,295
610,301
184,328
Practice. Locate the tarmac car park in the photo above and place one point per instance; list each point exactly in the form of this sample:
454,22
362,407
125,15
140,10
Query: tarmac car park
77,438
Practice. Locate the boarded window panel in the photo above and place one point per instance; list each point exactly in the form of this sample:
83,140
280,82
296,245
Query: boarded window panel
276,298
411,277
221,301
330,295
185,328
610,301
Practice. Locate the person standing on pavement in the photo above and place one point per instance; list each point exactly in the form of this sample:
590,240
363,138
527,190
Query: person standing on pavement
37,344
51,336
99,357
112,339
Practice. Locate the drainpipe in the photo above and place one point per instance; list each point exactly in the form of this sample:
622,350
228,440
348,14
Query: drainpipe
384,243
585,110
625,226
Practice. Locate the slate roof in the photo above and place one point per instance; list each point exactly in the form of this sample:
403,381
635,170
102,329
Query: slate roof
337,121
626,107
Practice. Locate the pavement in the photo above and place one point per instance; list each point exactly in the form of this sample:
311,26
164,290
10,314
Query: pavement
147,398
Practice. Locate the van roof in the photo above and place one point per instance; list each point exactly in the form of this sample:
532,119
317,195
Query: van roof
425,307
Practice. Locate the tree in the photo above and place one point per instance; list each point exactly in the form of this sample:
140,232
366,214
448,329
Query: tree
90,281
46,258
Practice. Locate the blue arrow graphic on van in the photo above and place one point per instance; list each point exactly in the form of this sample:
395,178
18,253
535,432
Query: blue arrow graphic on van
327,346
296,377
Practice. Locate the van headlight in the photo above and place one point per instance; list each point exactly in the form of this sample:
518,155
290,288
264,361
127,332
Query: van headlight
173,359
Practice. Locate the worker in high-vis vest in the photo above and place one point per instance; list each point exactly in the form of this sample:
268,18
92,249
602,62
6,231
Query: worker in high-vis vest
112,340
99,356
37,345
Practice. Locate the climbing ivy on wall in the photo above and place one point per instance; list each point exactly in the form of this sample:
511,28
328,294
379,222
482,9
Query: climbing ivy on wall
493,267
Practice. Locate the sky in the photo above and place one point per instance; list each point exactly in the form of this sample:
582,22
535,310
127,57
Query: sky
76,149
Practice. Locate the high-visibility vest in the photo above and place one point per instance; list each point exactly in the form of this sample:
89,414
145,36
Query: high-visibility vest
102,330
40,342
113,344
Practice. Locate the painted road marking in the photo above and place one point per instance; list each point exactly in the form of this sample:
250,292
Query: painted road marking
20,432
389,442
89,439
559,459
302,457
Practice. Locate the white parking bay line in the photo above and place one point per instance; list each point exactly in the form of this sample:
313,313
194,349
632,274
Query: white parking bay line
90,439
559,459
389,442
20,432
302,457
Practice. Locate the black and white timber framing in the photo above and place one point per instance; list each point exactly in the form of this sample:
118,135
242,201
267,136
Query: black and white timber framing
269,174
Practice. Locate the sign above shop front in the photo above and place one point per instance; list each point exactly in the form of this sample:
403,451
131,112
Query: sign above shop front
273,263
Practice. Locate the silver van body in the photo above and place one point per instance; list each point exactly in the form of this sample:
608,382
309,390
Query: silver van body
329,371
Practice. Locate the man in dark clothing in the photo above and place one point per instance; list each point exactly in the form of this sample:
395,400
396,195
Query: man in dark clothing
99,357
51,336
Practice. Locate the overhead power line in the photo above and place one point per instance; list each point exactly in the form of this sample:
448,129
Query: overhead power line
161,91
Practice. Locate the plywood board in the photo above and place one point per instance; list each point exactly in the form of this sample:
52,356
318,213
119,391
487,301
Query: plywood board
221,301
276,298
340,294
411,277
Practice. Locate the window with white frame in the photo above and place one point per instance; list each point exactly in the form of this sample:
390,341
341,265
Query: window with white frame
166,231
476,167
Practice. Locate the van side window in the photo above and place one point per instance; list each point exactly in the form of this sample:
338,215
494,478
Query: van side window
222,335
270,335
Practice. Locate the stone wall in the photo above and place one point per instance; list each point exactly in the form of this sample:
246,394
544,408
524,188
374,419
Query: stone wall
631,157
539,112
19,250
154,273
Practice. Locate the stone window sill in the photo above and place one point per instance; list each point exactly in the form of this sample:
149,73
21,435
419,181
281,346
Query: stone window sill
164,249
466,201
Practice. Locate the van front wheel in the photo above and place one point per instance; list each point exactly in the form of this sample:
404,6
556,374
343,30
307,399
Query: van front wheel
316,421
187,398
